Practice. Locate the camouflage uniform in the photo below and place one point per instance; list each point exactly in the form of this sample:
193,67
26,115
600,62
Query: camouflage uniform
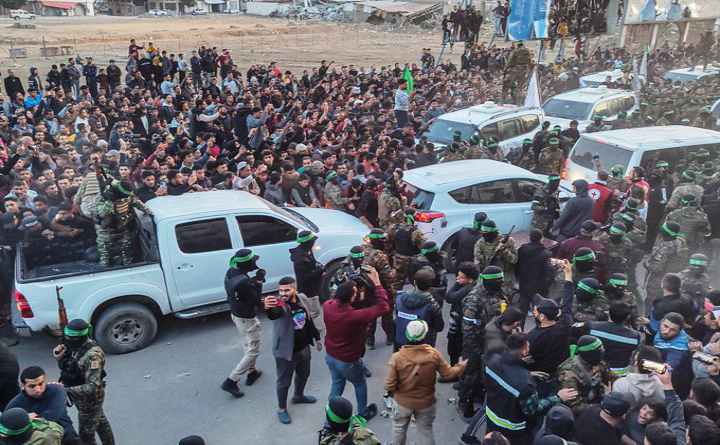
478,308
380,262
517,66
682,190
694,286
359,435
402,261
546,209
595,309
115,228
624,296
694,225
89,394
334,197
551,160
388,204
574,373
453,155
664,258
496,253
45,432
478,152
619,254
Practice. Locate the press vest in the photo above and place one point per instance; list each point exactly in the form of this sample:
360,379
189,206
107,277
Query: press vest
507,381
619,342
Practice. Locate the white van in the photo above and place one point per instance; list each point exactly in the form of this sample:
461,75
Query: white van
584,103
509,124
636,147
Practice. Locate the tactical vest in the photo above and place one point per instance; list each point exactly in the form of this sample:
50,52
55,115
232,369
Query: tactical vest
505,381
403,241
619,342
405,315
70,372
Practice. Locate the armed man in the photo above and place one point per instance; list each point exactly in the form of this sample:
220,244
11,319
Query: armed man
669,251
590,302
695,281
617,291
484,302
693,221
585,372
546,205
618,247
431,256
551,158
686,186
82,371
388,203
374,255
405,240
495,250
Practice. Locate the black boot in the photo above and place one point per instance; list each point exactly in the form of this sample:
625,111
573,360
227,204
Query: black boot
252,376
231,387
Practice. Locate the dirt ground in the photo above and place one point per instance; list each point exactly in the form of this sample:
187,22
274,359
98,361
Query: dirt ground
294,46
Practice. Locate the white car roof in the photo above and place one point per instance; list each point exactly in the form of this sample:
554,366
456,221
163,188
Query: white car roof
591,94
602,75
648,138
478,114
697,71
446,175
192,204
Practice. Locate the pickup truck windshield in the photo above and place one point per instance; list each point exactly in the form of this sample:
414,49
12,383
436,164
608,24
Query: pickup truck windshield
567,109
441,131
610,155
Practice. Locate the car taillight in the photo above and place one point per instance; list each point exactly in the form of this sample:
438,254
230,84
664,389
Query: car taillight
563,173
23,305
428,217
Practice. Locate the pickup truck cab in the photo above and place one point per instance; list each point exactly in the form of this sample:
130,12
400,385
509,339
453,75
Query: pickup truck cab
509,124
185,248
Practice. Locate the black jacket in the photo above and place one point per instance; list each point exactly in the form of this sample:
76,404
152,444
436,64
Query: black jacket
673,303
576,211
533,269
423,305
308,271
464,244
243,293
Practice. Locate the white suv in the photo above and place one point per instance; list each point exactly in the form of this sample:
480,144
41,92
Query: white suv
509,124
584,103
448,195
21,14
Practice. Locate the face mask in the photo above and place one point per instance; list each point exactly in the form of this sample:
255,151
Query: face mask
592,357
74,342
616,239
490,237
494,285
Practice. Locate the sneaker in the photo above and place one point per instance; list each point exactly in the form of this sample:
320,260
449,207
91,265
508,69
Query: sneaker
370,412
284,417
304,399
252,377
467,439
231,387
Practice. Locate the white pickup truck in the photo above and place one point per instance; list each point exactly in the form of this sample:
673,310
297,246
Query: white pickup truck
185,248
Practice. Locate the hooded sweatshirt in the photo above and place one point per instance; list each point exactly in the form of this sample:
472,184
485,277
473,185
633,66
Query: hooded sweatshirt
640,387
410,303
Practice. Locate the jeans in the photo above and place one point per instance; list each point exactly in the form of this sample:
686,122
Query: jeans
249,330
340,372
424,419
402,118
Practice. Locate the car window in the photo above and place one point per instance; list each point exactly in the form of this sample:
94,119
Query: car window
493,192
509,129
567,109
525,189
602,109
442,131
490,130
609,155
676,155
208,235
529,122
261,230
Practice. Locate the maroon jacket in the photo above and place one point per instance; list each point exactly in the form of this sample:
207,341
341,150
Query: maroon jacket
345,326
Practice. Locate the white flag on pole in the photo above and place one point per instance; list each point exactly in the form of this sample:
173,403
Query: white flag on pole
533,92
643,65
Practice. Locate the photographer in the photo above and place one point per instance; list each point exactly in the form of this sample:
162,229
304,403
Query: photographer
346,316
243,293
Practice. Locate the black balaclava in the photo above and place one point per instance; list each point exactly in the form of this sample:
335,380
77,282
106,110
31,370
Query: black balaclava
479,219
338,414
670,230
492,278
76,333
430,250
489,230
553,183
378,239
590,349
584,259
616,285
698,263
357,255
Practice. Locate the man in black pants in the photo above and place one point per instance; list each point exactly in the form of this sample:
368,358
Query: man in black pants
308,271
9,370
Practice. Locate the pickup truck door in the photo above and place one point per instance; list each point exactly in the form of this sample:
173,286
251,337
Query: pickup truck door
271,238
199,252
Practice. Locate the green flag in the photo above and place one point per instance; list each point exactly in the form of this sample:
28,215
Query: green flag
407,75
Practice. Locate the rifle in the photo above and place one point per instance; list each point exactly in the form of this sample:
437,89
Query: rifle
504,240
62,312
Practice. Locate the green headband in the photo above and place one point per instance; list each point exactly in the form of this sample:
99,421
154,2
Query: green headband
120,187
357,254
687,201
492,276
597,344
234,261
587,288
334,417
553,178
698,262
687,175
617,282
477,224
69,332
488,229
306,238
627,217
331,176
377,236
616,230
5,431
662,164
667,230
587,257
429,250
409,219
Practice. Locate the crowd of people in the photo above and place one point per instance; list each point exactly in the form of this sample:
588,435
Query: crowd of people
599,365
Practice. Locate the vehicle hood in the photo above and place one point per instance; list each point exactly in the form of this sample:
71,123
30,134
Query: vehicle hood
333,221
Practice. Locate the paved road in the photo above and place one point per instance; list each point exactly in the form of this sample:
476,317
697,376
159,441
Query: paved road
171,389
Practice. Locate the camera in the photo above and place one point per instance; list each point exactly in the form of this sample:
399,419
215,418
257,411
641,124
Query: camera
651,366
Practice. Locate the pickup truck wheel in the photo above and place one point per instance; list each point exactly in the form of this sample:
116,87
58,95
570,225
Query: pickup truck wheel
328,288
125,327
